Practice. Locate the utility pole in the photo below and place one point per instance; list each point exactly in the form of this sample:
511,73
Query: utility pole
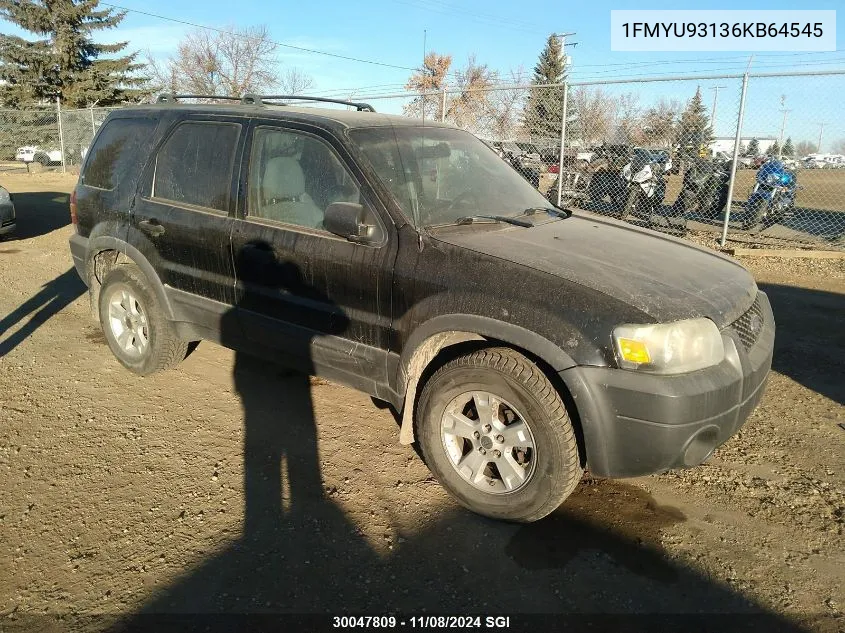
715,90
782,129
563,117
821,130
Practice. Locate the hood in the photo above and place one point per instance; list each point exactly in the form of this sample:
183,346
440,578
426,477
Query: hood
666,278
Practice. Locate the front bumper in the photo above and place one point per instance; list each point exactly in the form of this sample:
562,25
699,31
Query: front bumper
637,423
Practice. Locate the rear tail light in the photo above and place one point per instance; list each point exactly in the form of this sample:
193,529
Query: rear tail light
73,218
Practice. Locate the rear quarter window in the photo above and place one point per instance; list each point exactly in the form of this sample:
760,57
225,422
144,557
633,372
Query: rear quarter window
119,151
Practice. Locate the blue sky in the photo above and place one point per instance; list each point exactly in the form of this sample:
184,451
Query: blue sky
507,36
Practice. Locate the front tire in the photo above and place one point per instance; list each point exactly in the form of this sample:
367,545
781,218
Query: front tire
136,328
634,202
496,434
753,219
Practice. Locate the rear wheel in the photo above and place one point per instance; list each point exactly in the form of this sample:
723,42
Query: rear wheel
136,329
496,434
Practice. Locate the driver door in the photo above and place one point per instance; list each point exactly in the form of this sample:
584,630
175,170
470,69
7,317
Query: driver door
301,290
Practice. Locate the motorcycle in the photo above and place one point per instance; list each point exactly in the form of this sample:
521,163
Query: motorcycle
773,197
634,179
645,179
705,188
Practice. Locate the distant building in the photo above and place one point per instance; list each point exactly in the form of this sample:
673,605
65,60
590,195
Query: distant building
726,143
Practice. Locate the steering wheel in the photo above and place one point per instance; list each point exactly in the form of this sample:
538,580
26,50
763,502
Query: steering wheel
463,198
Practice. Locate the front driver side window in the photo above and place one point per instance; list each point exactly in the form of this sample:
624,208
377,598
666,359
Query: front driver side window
294,177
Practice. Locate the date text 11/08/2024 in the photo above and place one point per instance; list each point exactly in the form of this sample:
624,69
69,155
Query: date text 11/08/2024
422,622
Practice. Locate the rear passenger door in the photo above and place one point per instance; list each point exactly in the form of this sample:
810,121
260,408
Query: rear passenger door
183,216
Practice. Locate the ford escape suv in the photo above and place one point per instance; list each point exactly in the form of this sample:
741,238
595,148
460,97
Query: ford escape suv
520,343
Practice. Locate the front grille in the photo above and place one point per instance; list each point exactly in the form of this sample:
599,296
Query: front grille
749,325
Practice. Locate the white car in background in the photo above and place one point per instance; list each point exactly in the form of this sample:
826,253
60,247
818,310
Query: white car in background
36,154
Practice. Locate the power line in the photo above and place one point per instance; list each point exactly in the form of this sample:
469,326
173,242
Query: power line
481,18
314,51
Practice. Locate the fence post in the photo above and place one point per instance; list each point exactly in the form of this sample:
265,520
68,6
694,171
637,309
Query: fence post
737,140
93,127
563,118
61,133
443,104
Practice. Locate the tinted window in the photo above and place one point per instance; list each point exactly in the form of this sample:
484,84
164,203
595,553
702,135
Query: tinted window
121,145
194,166
293,177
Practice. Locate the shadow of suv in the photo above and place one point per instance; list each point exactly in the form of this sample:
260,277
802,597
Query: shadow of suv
518,342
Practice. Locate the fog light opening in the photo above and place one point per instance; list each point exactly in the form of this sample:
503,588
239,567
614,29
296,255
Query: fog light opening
701,446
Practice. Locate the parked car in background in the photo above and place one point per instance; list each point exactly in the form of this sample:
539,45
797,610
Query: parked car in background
743,162
7,213
36,154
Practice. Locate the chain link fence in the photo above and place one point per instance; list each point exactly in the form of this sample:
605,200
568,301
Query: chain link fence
54,138
660,151
663,152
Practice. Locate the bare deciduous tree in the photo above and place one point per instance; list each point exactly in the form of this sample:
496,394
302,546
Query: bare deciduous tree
429,79
594,111
471,105
626,120
802,148
293,82
659,123
506,108
228,63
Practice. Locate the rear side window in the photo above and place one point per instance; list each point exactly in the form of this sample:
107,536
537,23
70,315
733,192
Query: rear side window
120,149
194,166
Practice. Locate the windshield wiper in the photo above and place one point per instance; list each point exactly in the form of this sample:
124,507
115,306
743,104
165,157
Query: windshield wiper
469,219
561,213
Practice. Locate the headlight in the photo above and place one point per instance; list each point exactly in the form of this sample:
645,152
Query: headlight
643,175
669,348
4,195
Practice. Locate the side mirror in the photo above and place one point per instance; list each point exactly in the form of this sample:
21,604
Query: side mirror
347,220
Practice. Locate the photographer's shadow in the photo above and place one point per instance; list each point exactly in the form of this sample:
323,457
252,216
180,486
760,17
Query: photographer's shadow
292,535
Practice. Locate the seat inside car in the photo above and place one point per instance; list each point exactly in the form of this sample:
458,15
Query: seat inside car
283,194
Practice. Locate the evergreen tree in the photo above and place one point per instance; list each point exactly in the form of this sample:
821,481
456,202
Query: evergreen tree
753,148
694,131
544,106
773,150
65,62
788,147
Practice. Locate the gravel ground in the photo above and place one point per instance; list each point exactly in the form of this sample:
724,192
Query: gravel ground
227,486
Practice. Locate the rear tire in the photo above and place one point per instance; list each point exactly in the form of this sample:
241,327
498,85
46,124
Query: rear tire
538,463
136,328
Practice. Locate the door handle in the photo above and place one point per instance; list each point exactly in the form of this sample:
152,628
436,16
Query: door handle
151,227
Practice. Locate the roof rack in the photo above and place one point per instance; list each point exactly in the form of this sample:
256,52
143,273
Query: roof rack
168,97
253,99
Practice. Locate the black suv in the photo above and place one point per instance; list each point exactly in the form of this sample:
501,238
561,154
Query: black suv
519,342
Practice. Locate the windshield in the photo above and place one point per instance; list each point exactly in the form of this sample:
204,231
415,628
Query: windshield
438,175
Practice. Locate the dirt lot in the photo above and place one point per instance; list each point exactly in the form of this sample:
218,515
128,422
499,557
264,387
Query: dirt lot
226,486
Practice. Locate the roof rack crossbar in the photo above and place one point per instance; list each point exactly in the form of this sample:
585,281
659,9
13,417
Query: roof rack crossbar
168,97
254,99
